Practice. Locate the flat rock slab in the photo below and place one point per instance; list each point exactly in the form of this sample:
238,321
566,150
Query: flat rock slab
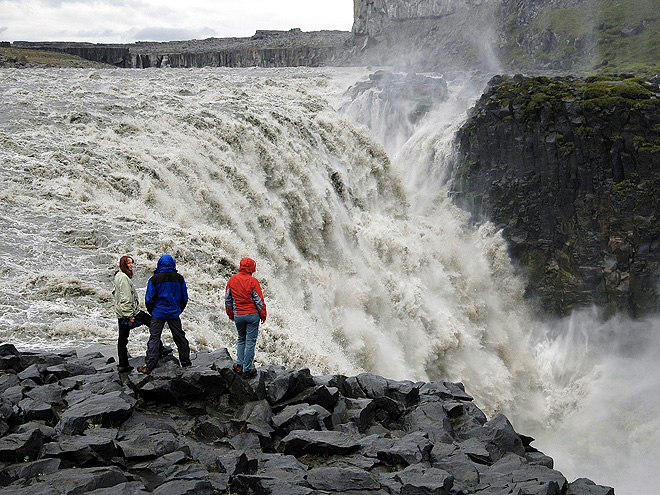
70,482
338,479
319,442
107,410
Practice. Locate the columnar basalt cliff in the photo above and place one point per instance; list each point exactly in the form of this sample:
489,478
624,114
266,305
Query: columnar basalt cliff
72,425
569,169
265,49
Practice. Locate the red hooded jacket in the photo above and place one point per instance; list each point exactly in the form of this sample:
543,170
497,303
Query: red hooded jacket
243,294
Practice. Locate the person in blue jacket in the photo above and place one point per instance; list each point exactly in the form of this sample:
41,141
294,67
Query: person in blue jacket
166,299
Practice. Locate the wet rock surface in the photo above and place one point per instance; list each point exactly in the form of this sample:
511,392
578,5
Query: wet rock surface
206,430
401,100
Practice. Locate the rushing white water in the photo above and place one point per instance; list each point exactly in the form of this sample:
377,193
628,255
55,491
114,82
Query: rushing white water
364,261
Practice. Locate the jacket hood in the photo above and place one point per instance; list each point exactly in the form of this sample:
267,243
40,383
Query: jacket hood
165,264
248,265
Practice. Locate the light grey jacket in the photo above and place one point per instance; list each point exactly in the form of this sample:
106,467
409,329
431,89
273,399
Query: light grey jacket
127,303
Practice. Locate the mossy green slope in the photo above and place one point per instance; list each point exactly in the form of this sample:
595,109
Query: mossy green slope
587,36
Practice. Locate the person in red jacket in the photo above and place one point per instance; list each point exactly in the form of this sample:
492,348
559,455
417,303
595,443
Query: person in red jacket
245,306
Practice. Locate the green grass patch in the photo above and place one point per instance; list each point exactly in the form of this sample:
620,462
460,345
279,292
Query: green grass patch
45,58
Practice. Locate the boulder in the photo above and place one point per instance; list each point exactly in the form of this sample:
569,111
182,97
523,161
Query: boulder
19,447
51,394
430,417
410,449
584,486
288,384
338,479
128,488
420,480
70,368
302,417
266,485
30,469
147,443
320,395
70,482
236,463
281,467
185,487
301,442
36,410
96,447
106,410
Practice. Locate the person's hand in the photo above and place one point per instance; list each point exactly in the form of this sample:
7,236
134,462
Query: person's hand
263,320
131,320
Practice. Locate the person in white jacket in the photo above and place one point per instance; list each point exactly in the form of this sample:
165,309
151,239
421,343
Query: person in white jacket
127,308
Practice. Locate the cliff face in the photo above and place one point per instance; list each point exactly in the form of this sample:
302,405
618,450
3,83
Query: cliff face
509,35
580,35
437,35
265,49
247,57
371,17
568,169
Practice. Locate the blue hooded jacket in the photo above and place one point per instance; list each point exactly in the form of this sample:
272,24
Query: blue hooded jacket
167,294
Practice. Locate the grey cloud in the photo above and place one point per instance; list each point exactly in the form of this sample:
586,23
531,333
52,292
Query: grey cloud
3,29
171,34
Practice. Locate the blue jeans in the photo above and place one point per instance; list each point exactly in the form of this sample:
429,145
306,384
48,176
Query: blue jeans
248,329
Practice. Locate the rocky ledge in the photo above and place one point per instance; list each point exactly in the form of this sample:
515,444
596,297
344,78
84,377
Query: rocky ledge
71,424
568,169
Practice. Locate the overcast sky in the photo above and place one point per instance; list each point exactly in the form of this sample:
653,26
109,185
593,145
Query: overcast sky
126,21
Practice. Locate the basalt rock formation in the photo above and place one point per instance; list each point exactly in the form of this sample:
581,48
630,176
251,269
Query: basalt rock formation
265,49
568,168
488,36
498,36
71,425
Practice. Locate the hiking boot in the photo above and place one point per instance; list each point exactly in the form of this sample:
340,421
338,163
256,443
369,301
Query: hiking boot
250,373
124,368
238,369
186,364
143,369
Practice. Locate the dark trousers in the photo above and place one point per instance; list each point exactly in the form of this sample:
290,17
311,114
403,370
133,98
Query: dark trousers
179,336
125,326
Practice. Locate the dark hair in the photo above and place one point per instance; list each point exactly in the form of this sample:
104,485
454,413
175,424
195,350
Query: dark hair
123,265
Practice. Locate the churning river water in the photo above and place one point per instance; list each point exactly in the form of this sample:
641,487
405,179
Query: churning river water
365,263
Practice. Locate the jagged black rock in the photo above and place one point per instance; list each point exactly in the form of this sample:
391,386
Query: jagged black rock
72,424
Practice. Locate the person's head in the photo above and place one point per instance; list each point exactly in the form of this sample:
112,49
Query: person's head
165,264
248,265
126,265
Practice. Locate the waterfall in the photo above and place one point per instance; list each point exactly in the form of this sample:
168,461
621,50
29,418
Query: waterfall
365,263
